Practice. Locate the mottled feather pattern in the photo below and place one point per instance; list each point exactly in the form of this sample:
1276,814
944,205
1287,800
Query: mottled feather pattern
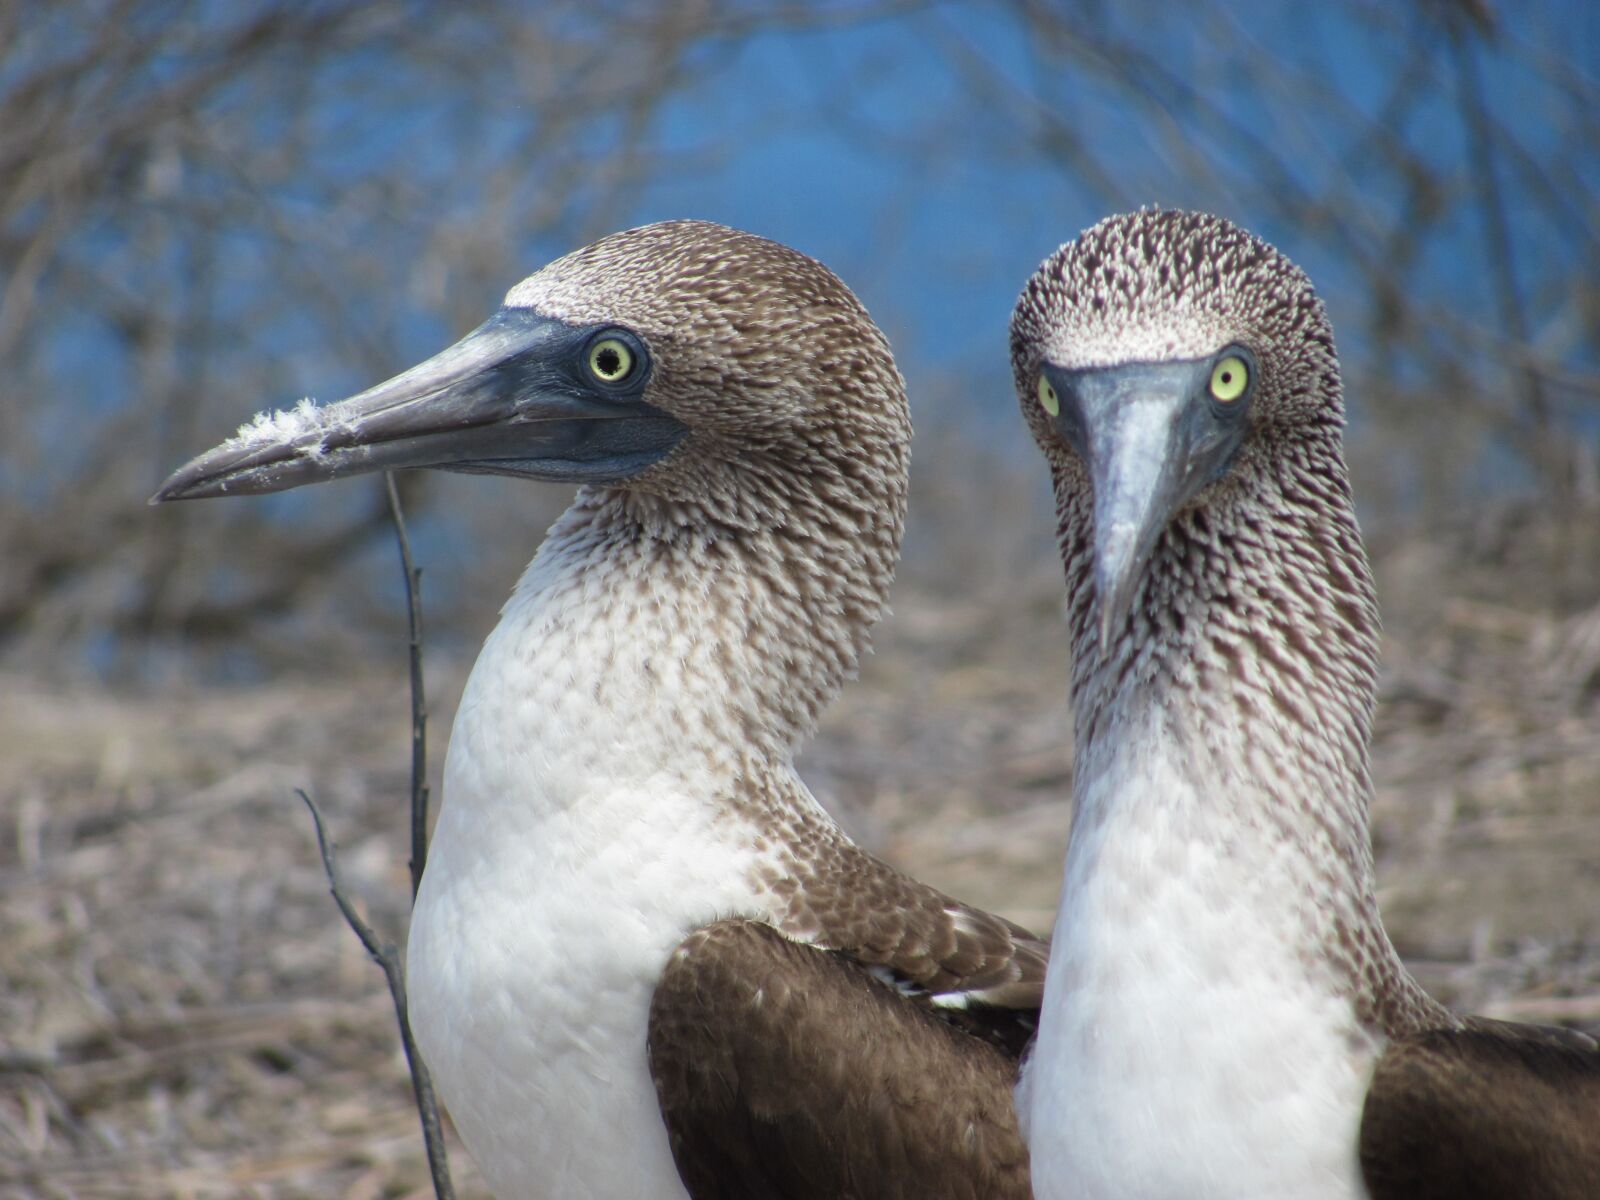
621,768
818,518
843,898
1219,879
791,491
792,389
1257,613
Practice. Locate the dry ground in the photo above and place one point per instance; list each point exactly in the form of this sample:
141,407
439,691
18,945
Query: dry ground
183,1013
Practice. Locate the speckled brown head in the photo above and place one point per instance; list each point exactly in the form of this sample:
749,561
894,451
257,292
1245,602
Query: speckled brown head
1168,362
761,352
683,362
729,408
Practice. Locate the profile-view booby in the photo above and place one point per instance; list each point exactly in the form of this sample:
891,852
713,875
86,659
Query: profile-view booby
1224,1014
639,939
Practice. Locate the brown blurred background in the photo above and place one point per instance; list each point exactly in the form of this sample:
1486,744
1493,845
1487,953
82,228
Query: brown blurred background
210,209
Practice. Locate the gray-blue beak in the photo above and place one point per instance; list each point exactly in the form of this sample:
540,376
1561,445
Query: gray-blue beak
512,398
1152,437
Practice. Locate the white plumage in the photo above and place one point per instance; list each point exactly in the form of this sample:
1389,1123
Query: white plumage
1183,1045
610,963
579,841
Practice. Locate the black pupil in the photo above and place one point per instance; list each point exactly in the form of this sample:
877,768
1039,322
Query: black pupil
1227,378
608,361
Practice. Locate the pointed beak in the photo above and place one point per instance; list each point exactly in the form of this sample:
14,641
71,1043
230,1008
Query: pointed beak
1152,439
509,398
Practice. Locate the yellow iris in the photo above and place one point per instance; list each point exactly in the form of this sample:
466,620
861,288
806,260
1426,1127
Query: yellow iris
610,360
1048,400
1229,378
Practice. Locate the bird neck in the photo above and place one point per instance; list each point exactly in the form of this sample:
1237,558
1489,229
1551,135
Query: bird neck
619,775
1233,712
716,644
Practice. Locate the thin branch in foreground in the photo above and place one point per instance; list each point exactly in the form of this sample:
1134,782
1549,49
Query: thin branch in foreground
387,956
419,707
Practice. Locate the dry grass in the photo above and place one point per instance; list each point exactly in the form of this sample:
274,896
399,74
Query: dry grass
185,1015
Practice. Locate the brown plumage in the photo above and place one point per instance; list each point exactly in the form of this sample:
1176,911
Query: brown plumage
620,774
1180,377
1489,1112
892,1129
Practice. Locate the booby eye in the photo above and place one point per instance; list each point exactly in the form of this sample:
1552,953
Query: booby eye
611,360
1048,400
1229,379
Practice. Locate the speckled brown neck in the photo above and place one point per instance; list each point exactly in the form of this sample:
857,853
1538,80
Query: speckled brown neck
1254,636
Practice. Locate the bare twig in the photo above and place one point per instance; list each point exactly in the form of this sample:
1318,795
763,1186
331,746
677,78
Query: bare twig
419,706
387,956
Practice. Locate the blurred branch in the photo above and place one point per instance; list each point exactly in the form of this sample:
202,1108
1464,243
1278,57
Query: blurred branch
204,208
187,190
291,569
1055,136
1241,119
1496,227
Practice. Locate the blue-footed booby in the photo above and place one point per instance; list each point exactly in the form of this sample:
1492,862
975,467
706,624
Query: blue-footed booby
641,950
1225,1016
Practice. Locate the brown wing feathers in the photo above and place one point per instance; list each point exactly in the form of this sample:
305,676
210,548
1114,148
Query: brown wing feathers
785,1071
864,1044
1491,1112
851,901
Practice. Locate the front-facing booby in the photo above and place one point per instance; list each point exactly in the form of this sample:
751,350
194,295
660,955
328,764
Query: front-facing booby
1225,1016
639,938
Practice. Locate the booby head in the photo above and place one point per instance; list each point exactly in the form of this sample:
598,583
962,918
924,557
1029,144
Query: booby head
683,362
1160,358
625,862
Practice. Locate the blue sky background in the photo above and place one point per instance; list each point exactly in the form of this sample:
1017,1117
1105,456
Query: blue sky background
821,159
342,207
